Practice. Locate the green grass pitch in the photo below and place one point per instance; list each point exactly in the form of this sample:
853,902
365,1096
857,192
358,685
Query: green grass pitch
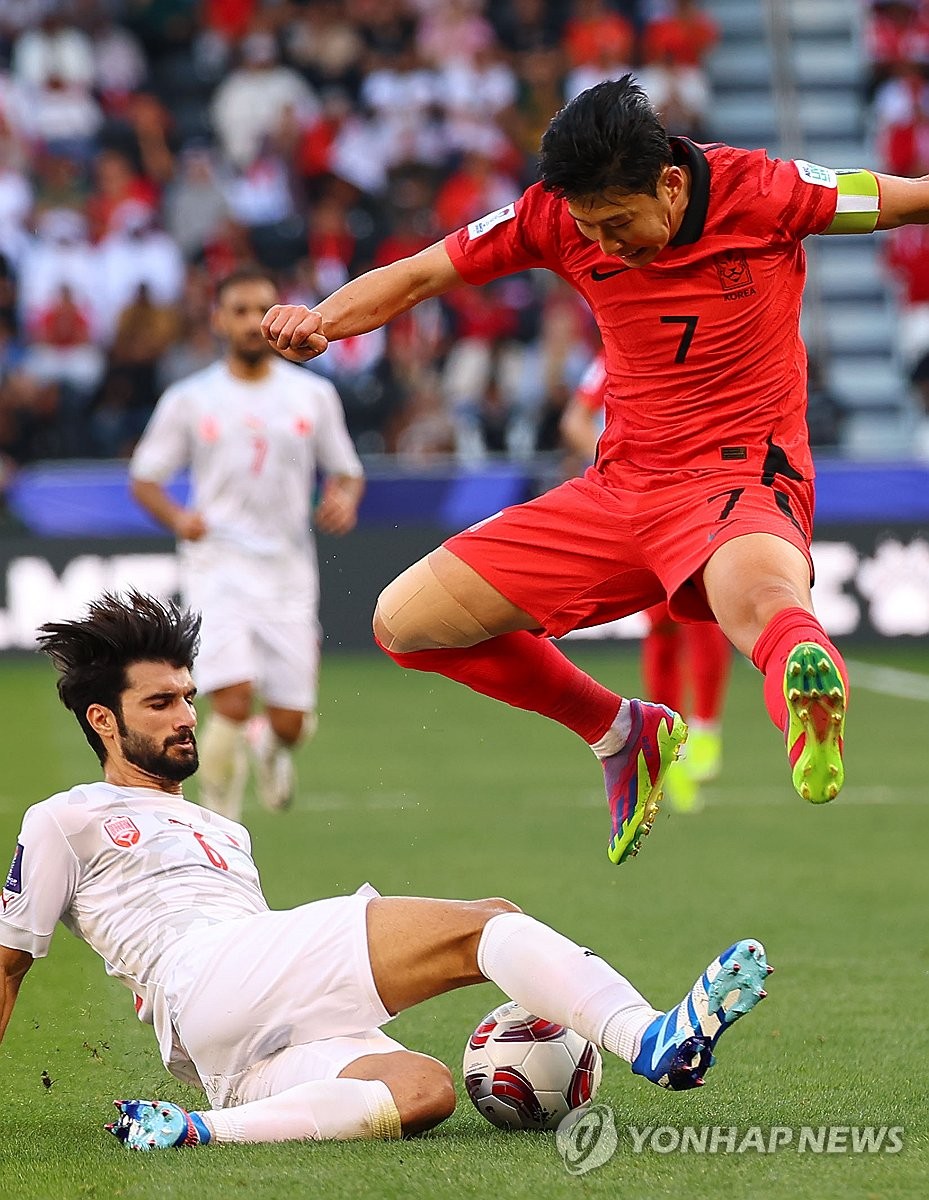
424,788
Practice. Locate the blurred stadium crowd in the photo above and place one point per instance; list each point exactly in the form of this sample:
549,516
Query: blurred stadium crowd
149,146
897,87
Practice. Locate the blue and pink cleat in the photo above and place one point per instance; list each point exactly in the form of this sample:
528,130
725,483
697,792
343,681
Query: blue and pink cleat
676,1050
634,775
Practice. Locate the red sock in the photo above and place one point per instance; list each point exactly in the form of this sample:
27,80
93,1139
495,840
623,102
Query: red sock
783,632
709,656
527,672
661,665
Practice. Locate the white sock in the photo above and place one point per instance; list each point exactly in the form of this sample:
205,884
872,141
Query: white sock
275,777
278,748
321,1110
223,766
561,981
618,733
700,726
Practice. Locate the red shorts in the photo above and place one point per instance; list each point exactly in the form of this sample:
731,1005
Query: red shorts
585,553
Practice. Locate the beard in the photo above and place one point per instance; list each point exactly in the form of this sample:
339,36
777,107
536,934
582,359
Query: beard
154,758
252,353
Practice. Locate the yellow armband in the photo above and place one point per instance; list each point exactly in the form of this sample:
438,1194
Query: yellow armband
858,203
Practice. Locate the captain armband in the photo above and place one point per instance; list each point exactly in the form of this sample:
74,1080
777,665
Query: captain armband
858,204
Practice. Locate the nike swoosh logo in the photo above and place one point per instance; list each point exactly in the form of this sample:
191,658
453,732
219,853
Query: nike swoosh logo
712,535
598,276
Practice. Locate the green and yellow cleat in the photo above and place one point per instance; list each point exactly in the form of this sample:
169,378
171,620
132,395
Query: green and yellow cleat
815,695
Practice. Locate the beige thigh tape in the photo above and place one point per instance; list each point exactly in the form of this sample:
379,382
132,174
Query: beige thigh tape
417,612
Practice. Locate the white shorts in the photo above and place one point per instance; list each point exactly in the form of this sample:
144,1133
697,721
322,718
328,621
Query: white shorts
301,1064
272,982
260,624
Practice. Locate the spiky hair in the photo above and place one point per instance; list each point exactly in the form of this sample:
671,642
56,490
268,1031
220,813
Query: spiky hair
92,654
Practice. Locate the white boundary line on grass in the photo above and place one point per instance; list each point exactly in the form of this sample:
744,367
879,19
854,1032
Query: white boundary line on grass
724,795
889,681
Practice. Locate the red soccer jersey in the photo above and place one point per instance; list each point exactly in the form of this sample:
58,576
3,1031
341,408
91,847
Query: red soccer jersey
702,347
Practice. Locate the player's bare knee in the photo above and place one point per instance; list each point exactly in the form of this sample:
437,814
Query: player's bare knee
234,703
424,1093
478,912
494,907
766,597
429,1097
288,725
473,916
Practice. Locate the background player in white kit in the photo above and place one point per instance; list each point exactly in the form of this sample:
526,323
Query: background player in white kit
277,1014
253,429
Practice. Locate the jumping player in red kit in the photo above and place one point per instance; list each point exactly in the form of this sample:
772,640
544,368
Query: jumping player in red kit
702,493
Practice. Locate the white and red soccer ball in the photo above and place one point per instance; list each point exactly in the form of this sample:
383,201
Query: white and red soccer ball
523,1072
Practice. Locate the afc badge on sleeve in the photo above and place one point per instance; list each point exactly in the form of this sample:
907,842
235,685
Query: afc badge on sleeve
813,173
485,224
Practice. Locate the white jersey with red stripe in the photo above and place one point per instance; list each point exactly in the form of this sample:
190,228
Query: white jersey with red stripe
253,449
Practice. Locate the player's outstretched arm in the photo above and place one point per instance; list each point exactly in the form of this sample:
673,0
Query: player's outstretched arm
183,523
580,429
368,302
903,201
337,511
13,966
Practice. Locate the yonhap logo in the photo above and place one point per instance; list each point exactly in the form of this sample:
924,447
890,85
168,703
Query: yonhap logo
587,1138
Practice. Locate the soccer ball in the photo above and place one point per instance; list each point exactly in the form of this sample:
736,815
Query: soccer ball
522,1072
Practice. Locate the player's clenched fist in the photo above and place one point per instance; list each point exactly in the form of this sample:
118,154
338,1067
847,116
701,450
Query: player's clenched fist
294,331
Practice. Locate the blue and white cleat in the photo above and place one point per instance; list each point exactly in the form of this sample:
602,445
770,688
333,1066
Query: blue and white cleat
677,1048
156,1125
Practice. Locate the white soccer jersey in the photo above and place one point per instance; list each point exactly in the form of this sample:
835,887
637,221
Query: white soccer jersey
253,450
130,871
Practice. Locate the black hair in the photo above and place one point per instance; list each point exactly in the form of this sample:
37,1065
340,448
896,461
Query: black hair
607,138
91,655
249,273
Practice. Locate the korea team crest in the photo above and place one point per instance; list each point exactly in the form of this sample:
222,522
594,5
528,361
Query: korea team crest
123,831
733,270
